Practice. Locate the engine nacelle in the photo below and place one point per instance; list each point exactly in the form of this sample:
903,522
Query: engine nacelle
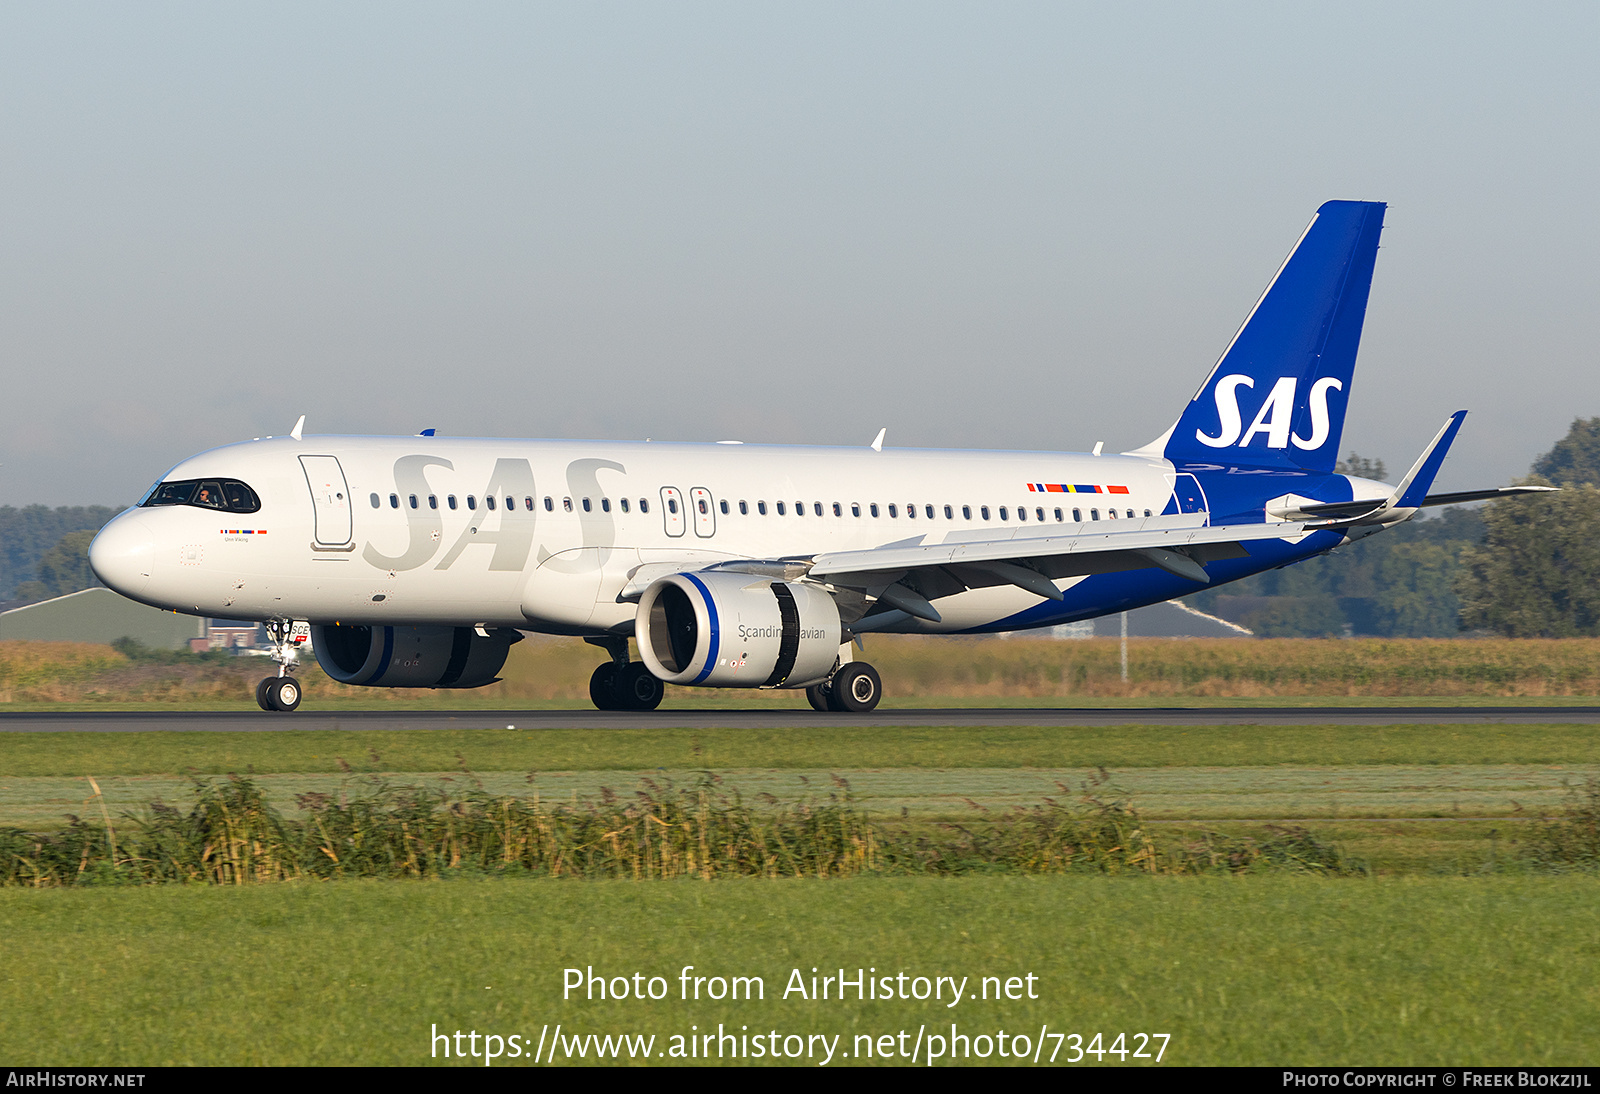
728,630
411,657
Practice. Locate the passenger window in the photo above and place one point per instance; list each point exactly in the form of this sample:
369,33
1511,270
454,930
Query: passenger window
433,501
928,509
1058,516
672,505
588,506
983,511
1094,514
1111,514
1003,512
1077,515
549,504
1147,512
376,504
893,512
644,505
855,509
780,509
838,510
723,505
873,508
605,505
1130,514
394,501
817,506
744,508
949,513
452,501
511,502
528,502
472,502
413,500
1039,513
566,505
488,500
705,510
1022,513
761,507
911,512
966,512
625,505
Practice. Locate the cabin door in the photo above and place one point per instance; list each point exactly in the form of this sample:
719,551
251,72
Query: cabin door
330,500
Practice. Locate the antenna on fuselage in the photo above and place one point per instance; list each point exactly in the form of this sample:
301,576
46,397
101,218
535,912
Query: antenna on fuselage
877,442
298,426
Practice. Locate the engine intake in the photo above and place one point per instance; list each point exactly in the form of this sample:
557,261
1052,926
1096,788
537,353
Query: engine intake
412,657
728,630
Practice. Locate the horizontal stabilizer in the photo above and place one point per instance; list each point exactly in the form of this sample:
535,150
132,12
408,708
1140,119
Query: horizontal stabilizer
1372,505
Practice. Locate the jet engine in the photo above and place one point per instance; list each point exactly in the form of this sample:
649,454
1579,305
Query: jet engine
412,657
730,630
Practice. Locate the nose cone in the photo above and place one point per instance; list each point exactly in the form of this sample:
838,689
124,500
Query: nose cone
123,555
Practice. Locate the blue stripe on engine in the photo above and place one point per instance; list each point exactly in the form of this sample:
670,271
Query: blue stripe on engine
388,652
711,611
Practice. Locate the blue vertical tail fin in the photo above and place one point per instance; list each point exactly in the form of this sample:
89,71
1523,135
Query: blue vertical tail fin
1277,396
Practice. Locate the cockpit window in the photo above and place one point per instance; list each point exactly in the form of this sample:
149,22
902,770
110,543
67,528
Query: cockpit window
225,494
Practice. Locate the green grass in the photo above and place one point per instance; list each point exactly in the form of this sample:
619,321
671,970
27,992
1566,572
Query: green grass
1264,970
821,746
1322,794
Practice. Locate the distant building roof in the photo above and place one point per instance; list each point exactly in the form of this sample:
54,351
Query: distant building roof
99,615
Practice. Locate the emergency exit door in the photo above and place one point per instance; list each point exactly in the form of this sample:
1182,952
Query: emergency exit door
330,500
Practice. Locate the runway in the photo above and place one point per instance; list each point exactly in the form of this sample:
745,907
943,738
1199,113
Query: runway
955,717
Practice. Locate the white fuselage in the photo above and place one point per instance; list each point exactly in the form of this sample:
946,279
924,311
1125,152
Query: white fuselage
410,537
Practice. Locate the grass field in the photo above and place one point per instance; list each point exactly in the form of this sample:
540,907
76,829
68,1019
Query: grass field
1451,950
824,746
1238,971
916,670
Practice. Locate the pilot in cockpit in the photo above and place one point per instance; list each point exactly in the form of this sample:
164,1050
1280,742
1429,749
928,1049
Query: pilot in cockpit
209,495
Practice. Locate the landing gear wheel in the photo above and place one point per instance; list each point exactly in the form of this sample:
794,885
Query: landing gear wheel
603,688
637,688
819,697
856,688
261,693
283,692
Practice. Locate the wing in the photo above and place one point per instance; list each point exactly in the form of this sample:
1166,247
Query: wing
909,576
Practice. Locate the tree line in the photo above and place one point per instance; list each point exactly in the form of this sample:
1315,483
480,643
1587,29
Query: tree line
1524,567
44,552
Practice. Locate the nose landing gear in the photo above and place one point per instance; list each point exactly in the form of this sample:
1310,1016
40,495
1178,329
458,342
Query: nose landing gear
281,693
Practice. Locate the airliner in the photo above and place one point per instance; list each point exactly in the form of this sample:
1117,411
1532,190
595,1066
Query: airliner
419,561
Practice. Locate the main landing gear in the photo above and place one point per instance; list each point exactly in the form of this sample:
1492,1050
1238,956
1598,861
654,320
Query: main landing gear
854,689
281,692
620,684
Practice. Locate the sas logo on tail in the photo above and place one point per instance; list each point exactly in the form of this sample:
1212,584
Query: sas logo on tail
1274,419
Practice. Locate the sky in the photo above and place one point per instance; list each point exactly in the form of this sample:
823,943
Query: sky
994,225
